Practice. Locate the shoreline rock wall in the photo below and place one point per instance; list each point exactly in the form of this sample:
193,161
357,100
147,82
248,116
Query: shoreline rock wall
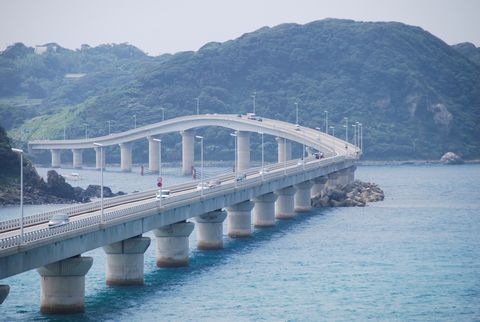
356,194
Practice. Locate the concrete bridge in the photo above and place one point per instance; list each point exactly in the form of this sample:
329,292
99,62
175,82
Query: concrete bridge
259,199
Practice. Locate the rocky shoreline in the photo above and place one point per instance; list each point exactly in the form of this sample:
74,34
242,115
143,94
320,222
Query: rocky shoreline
356,194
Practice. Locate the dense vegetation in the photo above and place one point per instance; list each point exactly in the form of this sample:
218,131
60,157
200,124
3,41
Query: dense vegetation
416,96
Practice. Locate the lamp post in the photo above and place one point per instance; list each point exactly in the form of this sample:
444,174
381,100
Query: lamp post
235,166
101,187
109,126
326,121
296,113
285,156
263,159
333,131
361,136
198,105
201,158
253,96
354,134
20,151
163,113
160,166
86,130
134,121
64,132
346,128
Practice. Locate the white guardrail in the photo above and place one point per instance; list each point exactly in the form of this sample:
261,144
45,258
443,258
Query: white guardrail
95,219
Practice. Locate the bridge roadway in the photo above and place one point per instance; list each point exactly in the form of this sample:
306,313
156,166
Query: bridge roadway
56,252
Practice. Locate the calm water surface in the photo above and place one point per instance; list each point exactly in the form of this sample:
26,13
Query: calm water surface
414,256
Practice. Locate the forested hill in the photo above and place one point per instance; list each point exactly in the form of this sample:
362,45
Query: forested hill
416,96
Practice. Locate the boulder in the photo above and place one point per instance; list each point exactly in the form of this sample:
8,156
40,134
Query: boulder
57,186
355,194
451,158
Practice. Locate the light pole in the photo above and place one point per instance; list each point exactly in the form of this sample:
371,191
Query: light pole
361,136
253,96
163,113
333,131
109,127
64,132
354,134
235,166
346,128
285,156
296,113
101,187
201,158
134,121
86,130
263,159
326,121
160,166
198,105
20,151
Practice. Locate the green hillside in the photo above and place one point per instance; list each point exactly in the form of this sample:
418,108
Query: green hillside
416,96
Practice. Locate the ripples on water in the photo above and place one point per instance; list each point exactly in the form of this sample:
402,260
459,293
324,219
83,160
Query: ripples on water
415,256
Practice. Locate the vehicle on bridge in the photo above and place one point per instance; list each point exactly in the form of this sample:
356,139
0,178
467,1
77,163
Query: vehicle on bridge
58,220
162,194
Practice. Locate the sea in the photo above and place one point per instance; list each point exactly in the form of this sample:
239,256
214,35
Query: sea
413,257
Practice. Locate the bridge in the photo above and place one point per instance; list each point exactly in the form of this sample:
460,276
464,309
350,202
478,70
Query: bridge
264,194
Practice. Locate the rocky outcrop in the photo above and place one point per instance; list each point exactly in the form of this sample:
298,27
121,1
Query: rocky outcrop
356,194
451,158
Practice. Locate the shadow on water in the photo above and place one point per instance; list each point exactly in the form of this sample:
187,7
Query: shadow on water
161,282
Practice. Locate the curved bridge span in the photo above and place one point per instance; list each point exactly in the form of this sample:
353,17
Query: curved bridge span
259,198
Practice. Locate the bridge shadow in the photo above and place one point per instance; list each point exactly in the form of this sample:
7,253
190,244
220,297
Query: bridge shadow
110,301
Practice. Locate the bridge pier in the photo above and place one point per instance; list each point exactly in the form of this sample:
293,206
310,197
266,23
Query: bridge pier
152,154
351,174
243,150
126,157
333,178
302,200
264,210
284,206
63,285
188,152
284,149
210,230
240,219
4,290
99,157
77,158
172,244
319,185
125,261
56,158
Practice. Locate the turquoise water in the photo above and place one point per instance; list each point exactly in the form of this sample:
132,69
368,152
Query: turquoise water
414,256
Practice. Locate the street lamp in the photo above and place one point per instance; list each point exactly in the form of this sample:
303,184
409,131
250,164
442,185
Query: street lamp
326,121
346,128
159,165
235,166
20,151
163,113
86,130
253,96
296,112
354,134
361,136
109,127
333,131
261,133
198,105
64,132
134,121
285,156
201,158
101,188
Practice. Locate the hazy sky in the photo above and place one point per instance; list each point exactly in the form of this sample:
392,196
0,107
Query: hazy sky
169,26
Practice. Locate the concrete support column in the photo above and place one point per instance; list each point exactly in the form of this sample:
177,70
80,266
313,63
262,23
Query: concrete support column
125,261
264,210
172,244
77,158
126,157
62,286
318,187
188,152
243,150
99,155
152,154
332,182
284,206
4,290
56,158
239,219
210,230
284,151
302,200
351,174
